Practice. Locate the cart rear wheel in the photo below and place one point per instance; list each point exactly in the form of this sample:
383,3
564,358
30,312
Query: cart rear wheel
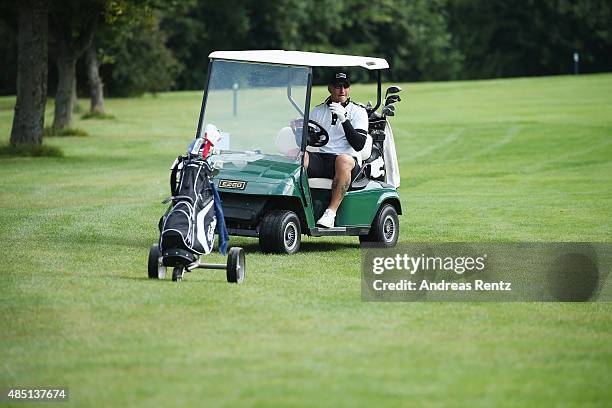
236,265
385,228
153,266
280,232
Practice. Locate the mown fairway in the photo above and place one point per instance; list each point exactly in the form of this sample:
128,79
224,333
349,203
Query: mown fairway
505,160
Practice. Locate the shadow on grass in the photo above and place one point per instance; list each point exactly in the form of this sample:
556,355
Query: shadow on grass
328,246
135,278
8,151
186,278
97,115
311,247
50,132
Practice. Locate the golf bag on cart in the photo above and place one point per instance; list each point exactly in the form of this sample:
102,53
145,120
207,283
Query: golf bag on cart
382,164
187,229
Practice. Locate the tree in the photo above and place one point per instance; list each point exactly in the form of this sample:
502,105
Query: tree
96,86
72,26
135,57
28,122
500,39
413,36
129,50
198,27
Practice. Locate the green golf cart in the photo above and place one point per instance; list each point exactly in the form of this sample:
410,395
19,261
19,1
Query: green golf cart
260,101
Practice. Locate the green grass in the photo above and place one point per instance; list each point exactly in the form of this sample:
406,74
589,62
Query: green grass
504,160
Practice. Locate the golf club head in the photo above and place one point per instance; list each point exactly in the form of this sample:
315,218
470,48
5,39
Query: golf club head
390,107
387,112
393,89
392,99
375,115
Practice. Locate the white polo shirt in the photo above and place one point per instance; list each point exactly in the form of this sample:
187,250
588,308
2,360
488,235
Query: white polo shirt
338,143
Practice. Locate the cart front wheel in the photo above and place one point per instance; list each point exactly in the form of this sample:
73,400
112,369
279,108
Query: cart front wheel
280,232
236,265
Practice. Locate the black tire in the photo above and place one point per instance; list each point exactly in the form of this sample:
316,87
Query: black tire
154,255
280,232
236,265
177,273
385,228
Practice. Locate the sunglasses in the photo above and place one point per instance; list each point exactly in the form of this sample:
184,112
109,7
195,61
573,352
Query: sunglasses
338,86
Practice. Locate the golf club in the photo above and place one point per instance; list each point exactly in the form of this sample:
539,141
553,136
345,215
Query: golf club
392,99
387,112
393,90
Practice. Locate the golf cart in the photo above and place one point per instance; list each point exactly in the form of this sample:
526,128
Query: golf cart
260,101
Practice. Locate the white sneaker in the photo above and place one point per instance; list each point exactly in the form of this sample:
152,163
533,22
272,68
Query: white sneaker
328,219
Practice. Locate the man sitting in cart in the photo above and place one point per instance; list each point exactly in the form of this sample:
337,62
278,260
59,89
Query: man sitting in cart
347,124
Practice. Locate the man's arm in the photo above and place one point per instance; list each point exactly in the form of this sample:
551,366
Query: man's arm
355,137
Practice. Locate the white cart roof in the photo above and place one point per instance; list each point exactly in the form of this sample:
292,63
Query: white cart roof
306,59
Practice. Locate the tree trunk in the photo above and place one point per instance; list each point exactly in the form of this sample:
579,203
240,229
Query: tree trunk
67,49
29,119
66,64
76,108
96,86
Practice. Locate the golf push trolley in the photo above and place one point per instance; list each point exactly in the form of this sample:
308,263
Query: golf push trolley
187,229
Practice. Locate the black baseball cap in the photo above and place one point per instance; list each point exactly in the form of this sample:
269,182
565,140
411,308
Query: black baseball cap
340,78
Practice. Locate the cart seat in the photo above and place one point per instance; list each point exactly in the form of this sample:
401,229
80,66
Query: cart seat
326,183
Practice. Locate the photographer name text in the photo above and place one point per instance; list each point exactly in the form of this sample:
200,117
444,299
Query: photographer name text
432,264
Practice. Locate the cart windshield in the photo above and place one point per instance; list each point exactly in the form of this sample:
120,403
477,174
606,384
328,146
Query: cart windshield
254,106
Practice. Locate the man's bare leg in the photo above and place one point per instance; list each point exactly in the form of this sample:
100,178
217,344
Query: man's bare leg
342,180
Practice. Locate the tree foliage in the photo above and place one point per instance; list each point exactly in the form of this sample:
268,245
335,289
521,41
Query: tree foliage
137,59
132,49
154,45
501,38
413,36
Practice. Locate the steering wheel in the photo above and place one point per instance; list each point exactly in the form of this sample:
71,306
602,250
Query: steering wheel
317,135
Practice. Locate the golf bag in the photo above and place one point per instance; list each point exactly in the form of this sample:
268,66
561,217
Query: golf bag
187,229
189,223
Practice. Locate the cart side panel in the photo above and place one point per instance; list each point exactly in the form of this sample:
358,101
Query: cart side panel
358,208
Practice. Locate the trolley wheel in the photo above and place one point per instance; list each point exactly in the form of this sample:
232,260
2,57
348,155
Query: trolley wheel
177,273
236,265
154,266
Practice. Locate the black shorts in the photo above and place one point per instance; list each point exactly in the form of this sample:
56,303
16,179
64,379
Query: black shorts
323,165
